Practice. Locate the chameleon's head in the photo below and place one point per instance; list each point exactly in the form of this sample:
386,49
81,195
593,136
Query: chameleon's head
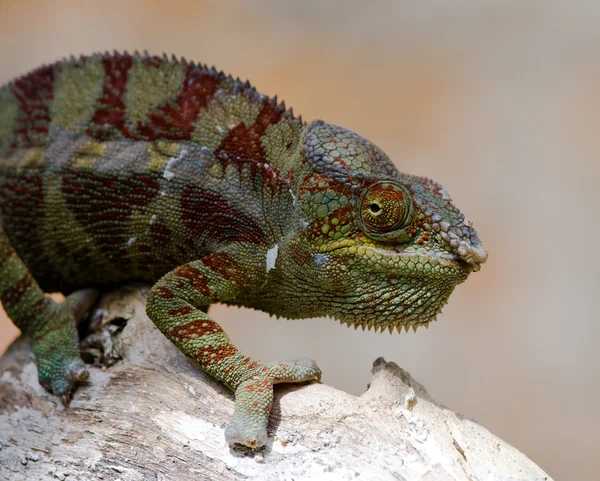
380,249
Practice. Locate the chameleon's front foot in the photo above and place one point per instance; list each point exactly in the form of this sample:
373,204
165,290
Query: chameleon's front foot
254,398
56,344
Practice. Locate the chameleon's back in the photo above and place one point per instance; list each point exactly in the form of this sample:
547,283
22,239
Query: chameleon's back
131,166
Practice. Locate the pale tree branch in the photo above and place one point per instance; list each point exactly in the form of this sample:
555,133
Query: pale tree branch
152,415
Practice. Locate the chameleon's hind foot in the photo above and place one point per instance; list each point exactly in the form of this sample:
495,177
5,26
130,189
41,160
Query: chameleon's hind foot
56,344
254,398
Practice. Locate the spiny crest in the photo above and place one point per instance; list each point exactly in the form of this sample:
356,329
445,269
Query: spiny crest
118,95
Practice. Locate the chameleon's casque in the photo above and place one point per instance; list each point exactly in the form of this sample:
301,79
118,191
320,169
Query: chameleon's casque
120,168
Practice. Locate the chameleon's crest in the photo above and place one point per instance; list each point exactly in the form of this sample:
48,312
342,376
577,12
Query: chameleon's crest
344,155
121,96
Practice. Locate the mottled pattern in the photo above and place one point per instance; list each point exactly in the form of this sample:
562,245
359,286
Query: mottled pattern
120,168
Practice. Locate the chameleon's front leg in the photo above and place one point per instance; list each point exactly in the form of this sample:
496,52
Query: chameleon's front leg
175,305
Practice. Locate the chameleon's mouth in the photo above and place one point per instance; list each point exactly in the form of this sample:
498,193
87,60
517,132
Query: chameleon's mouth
459,264
465,256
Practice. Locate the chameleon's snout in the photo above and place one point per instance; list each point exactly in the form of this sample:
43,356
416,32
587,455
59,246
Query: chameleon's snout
473,254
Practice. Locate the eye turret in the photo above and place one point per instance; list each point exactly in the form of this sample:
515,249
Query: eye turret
384,210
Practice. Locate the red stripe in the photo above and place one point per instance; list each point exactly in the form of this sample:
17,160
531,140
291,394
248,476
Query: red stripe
195,278
13,294
224,265
34,93
177,119
110,113
212,355
200,328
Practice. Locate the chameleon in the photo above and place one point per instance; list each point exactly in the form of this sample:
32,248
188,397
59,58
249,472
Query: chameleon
117,168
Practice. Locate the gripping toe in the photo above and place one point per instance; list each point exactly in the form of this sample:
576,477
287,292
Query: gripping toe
62,380
241,432
77,371
56,347
254,398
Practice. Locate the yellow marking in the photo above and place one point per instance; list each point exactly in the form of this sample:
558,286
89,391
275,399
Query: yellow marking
33,157
343,245
85,162
232,172
76,89
149,86
160,151
92,148
216,170
22,158
9,107
88,154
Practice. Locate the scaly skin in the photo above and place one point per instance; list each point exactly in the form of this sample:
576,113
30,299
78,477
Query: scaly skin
119,168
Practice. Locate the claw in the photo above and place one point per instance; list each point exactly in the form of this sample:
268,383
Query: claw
78,373
60,367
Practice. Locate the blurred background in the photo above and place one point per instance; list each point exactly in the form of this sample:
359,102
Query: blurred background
498,101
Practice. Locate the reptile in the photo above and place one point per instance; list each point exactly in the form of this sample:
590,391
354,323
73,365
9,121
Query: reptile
117,168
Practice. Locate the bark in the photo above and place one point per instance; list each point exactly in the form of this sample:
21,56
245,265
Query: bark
152,415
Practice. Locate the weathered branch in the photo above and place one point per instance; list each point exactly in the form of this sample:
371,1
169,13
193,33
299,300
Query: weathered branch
154,416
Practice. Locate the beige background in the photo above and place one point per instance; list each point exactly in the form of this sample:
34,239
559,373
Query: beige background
499,101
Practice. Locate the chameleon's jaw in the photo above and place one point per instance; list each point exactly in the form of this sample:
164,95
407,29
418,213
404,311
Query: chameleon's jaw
408,299
398,306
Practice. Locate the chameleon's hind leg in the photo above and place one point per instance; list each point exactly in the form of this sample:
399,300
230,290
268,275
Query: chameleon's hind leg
51,327
175,305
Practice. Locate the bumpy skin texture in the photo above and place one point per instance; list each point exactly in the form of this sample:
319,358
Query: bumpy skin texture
119,168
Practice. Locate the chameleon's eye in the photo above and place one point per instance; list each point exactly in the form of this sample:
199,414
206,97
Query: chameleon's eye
384,208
